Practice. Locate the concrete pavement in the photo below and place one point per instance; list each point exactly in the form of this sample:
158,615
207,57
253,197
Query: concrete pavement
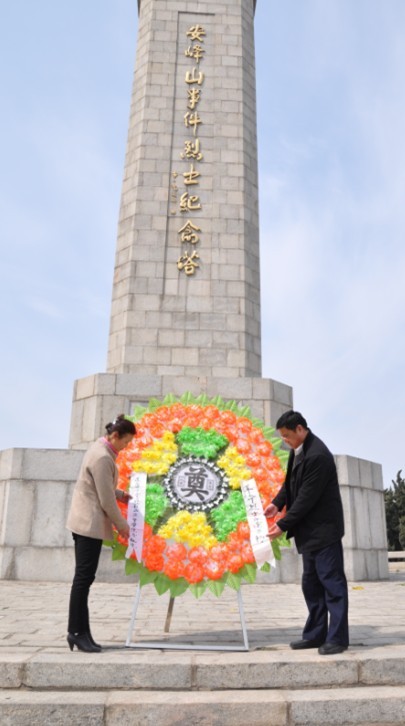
42,683
33,615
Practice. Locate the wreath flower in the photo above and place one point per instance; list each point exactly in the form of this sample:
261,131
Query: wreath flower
196,453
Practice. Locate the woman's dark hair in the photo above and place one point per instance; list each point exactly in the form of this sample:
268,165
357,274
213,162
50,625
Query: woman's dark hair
122,426
290,420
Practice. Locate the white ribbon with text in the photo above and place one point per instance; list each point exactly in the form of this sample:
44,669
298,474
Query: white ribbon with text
259,531
136,514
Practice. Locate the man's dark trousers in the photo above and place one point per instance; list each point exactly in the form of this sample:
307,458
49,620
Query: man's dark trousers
325,590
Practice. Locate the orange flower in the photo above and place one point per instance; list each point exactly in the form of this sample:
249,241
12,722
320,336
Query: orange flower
214,569
193,573
174,568
235,563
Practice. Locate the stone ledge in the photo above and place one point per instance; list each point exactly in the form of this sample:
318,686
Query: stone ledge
360,706
25,708
359,472
132,384
39,464
197,671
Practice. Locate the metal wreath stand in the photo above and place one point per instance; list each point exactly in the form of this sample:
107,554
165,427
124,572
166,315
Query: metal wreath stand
166,645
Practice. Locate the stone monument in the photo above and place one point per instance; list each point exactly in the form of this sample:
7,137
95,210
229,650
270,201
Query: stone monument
185,312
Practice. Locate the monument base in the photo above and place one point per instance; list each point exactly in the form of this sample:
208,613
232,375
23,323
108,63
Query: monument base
36,484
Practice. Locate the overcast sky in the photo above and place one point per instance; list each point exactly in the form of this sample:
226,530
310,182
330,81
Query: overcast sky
331,120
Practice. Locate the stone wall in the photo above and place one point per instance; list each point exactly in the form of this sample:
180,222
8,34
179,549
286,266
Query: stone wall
365,541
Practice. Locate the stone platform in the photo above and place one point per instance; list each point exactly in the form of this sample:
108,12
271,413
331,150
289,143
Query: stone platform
42,683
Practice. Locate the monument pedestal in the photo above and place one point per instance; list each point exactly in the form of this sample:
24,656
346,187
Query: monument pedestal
99,398
36,484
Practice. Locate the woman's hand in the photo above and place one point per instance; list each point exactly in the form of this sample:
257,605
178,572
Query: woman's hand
122,496
124,531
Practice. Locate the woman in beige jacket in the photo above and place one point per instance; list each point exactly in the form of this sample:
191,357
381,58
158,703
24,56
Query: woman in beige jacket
93,511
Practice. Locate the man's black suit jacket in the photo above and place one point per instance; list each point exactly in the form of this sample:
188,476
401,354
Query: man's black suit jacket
311,493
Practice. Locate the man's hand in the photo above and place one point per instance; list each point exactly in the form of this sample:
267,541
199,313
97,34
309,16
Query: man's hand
274,531
124,531
271,511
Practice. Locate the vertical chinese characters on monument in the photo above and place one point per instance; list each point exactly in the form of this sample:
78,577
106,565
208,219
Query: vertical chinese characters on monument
190,203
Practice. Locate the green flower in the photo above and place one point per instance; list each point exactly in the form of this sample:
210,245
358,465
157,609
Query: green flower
201,443
227,516
156,503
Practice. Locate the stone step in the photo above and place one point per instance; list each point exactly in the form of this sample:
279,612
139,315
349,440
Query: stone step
196,671
376,706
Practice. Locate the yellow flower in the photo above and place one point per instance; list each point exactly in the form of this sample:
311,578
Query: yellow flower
157,459
191,529
234,467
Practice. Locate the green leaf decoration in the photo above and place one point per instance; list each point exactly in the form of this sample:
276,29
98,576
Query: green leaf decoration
266,567
178,587
147,576
132,567
283,540
234,580
187,398
169,399
258,423
154,403
202,399
249,573
198,588
118,551
216,587
217,401
275,545
162,584
139,411
245,411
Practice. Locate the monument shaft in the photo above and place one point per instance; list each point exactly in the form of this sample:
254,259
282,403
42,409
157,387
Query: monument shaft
186,290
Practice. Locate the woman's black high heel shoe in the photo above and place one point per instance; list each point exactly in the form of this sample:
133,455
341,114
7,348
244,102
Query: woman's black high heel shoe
92,641
82,642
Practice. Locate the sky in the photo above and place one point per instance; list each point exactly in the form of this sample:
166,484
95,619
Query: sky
331,142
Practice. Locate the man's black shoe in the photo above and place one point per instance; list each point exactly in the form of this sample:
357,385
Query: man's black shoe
302,644
331,649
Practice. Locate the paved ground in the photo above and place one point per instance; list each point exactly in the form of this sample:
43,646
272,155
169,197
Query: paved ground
33,616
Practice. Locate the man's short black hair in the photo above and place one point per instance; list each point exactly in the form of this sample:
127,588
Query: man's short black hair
290,420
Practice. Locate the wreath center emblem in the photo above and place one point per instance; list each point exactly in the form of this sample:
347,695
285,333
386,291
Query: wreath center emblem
196,484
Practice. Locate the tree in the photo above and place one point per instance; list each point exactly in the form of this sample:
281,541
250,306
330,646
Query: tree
395,513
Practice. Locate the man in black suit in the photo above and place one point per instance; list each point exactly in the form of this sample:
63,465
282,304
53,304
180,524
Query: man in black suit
314,517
